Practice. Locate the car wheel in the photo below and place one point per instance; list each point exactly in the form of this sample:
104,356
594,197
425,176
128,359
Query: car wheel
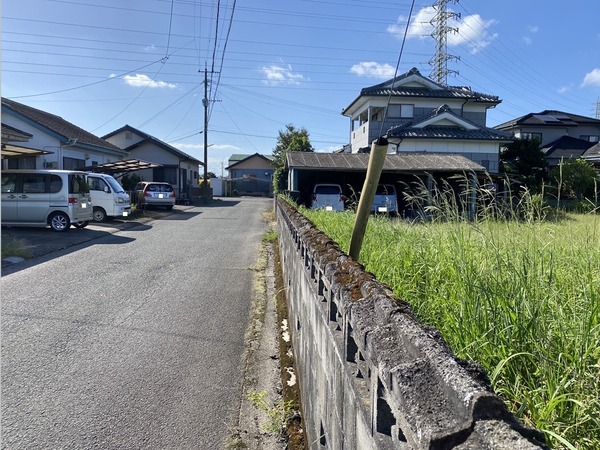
59,222
169,208
99,214
82,224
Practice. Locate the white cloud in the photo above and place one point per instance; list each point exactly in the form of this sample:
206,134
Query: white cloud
564,89
279,75
420,26
527,40
533,28
591,78
373,69
472,30
141,80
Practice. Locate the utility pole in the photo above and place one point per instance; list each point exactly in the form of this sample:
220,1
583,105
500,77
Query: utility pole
205,104
598,108
440,60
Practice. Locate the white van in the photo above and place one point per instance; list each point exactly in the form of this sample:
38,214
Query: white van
40,198
328,197
108,196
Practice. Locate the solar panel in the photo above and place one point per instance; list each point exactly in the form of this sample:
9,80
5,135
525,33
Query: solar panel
546,118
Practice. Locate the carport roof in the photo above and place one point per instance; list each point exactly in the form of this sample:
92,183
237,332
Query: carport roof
15,151
399,162
124,166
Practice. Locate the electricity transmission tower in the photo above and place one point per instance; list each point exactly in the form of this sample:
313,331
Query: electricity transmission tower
440,33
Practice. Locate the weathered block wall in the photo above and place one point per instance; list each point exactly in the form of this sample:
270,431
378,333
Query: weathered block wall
372,376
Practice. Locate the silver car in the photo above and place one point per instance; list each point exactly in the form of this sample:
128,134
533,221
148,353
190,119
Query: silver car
154,193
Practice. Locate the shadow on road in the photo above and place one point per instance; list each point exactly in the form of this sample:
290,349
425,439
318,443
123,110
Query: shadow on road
44,244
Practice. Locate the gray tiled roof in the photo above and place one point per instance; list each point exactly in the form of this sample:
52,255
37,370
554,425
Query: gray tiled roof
400,162
410,129
549,118
149,138
59,126
566,145
593,153
442,91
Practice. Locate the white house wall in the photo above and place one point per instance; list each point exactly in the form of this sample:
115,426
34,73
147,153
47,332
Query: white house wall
46,142
151,152
121,141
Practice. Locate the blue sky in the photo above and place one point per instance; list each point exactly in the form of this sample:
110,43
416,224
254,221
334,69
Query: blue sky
101,64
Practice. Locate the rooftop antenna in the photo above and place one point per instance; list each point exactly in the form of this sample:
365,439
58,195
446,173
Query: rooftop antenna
440,33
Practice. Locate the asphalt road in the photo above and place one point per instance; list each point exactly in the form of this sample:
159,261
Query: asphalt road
132,340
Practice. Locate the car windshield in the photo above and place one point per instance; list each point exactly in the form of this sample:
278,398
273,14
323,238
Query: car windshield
384,189
327,190
114,184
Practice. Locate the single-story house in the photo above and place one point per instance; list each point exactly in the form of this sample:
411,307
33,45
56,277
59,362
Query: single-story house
251,174
175,167
36,139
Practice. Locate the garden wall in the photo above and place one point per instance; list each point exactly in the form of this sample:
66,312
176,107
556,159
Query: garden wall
372,376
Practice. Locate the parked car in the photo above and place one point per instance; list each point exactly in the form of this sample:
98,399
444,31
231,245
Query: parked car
385,200
108,197
40,198
154,193
328,196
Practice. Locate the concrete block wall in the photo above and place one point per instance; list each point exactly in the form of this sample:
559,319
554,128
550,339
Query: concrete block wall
372,376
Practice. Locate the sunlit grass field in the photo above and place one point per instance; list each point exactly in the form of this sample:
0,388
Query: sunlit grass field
522,298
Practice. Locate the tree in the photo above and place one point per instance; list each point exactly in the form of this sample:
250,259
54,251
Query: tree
523,158
576,178
288,140
291,140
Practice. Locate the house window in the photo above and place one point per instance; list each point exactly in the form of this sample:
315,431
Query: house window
22,162
128,136
590,137
166,174
401,111
73,163
531,136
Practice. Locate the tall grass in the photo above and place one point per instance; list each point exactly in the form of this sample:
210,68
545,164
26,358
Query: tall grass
521,297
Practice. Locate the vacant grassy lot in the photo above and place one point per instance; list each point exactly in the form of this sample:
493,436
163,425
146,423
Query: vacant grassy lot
522,299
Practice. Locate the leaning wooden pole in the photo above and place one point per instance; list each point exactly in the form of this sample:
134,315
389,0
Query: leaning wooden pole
376,160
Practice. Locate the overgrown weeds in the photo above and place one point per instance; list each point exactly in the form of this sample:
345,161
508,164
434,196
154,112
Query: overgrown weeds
518,293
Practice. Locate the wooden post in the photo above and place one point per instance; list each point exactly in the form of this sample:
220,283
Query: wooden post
376,160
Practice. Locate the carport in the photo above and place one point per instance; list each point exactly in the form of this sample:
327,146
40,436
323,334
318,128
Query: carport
305,169
122,167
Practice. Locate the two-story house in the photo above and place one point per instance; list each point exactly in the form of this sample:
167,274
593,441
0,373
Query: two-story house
419,115
561,135
550,125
